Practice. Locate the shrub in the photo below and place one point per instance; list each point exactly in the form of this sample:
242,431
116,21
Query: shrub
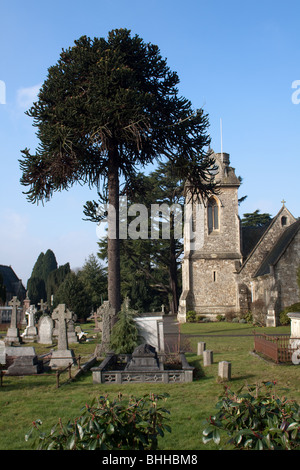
229,316
256,420
283,317
191,316
124,334
220,318
108,425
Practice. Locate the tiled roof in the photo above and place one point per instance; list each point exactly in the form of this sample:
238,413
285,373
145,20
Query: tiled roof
279,248
11,281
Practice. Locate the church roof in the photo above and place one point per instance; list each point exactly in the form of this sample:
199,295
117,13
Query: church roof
250,246
279,248
12,283
250,238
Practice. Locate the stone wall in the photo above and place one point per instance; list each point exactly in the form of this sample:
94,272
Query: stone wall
209,267
286,274
265,244
214,286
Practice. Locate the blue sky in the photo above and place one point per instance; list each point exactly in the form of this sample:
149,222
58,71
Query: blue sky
236,59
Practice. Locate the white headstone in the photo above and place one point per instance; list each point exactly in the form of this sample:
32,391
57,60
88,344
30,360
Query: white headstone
45,330
295,329
2,353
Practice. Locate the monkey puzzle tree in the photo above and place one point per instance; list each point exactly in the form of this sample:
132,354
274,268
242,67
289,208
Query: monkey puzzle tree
106,107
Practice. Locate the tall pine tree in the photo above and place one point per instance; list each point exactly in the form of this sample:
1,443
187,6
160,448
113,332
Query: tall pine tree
107,107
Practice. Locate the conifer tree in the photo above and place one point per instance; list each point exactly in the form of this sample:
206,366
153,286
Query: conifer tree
106,107
124,335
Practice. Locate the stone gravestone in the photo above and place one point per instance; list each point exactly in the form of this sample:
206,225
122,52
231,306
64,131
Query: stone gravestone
22,361
26,305
207,357
63,356
201,346
108,314
45,329
72,336
224,370
30,333
12,335
2,353
144,357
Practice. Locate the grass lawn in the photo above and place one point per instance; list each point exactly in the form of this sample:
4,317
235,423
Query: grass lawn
25,399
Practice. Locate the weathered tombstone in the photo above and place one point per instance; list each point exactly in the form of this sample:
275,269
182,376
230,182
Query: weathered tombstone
30,333
22,361
144,357
207,357
271,320
45,329
12,335
43,306
201,346
98,319
26,305
63,356
2,353
108,315
72,337
224,370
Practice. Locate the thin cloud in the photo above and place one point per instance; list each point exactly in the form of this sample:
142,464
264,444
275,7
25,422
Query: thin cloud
26,96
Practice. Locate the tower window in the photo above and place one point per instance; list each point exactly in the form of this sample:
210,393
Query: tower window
213,215
214,276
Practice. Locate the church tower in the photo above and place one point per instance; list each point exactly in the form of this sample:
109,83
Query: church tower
213,257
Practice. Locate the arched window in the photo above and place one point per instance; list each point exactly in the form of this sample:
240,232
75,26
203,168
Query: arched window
213,215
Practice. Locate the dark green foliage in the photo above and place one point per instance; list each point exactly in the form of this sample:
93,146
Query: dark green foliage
37,283
36,290
150,267
108,425
283,317
111,93
124,334
256,419
55,279
94,279
2,291
255,219
107,107
49,264
72,293
191,316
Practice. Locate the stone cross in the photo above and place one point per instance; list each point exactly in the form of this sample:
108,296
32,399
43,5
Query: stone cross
14,303
43,305
30,312
162,308
62,314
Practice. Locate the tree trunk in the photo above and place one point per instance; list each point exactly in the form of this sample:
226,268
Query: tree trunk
113,243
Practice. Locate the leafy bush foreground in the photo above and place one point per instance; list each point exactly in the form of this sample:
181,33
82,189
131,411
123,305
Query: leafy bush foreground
256,419
108,425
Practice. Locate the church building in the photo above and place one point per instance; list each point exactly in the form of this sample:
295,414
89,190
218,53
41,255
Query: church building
227,269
